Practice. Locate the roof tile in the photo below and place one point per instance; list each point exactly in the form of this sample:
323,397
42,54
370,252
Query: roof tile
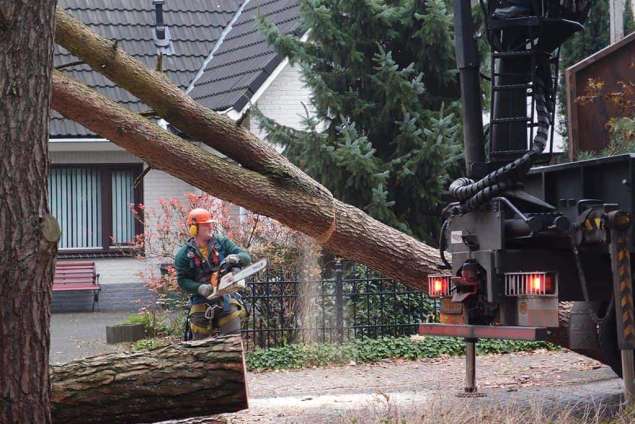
246,55
239,66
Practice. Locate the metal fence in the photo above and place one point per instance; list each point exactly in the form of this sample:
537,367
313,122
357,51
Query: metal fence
352,302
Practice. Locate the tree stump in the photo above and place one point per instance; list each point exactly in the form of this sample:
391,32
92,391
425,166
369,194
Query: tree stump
125,333
188,379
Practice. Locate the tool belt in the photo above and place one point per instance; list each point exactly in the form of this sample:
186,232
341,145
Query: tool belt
222,312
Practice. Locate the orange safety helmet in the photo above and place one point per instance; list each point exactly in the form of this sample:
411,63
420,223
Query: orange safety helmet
199,216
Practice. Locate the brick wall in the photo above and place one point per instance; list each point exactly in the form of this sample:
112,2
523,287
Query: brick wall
158,184
119,270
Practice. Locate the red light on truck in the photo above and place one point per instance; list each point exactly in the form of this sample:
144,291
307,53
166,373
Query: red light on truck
537,284
530,284
438,285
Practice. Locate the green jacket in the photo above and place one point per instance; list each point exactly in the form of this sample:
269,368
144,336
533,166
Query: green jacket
192,269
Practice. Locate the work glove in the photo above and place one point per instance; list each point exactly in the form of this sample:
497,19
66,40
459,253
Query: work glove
205,290
233,259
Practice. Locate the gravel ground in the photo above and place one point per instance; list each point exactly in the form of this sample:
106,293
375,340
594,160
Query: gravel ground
365,393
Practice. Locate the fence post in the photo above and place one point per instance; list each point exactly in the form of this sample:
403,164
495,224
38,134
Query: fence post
339,301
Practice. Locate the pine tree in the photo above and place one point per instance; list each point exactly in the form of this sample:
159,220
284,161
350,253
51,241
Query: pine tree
594,37
629,22
382,132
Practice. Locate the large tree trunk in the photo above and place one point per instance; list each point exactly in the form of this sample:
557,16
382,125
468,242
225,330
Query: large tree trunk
188,379
28,236
341,228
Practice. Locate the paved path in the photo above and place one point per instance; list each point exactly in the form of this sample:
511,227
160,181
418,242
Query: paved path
78,335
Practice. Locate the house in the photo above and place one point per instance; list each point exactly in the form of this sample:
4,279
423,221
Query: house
211,49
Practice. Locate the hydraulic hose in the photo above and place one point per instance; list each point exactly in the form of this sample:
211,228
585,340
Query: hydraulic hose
471,194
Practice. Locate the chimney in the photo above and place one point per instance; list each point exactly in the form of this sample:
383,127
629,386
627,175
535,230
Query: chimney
162,39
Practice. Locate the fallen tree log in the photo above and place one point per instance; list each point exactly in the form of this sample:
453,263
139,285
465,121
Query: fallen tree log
183,380
341,228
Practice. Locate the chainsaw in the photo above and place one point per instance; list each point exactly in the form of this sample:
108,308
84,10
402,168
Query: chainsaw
234,281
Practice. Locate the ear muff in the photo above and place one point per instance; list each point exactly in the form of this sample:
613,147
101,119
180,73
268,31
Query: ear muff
193,230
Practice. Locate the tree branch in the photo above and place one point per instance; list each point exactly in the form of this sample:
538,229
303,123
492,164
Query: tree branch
341,228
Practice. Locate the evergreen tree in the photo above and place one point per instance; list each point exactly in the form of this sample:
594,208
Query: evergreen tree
382,133
594,37
629,22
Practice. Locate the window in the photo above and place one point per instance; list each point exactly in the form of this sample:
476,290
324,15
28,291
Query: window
92,206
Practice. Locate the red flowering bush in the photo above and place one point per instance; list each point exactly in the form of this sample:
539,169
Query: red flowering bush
166,231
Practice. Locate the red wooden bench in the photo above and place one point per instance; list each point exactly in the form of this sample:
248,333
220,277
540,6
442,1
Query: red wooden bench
77,276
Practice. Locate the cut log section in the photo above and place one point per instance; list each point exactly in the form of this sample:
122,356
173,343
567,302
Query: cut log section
182,380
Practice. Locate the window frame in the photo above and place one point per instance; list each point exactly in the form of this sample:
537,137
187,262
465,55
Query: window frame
108,249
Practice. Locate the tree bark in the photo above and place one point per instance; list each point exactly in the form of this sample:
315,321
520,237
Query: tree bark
182,380
28,235
343,229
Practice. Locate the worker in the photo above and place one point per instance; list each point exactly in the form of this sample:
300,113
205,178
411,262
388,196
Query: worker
197,264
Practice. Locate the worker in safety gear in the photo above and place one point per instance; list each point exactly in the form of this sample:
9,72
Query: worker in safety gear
197,264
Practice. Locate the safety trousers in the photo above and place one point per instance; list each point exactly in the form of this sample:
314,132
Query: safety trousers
208,319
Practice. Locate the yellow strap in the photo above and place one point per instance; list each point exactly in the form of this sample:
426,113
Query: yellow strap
200,330
201,307
227,318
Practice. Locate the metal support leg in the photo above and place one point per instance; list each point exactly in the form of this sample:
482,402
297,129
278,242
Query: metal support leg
470,366
470,369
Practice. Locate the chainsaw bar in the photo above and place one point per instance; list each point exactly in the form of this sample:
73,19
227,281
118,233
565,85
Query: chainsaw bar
233,282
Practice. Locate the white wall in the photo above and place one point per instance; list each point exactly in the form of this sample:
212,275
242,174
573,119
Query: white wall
120,270
282,101
158,185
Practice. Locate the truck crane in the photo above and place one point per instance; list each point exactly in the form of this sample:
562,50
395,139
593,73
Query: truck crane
524,234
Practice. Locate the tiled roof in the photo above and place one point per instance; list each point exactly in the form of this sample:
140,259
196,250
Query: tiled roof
245,59
239,66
